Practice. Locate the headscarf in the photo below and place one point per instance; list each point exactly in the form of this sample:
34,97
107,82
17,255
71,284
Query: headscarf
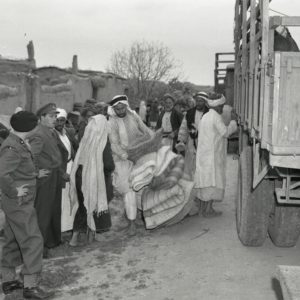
115,101
90,156
216,102
61,113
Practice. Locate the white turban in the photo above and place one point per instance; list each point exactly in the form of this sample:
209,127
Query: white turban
216,102
61,113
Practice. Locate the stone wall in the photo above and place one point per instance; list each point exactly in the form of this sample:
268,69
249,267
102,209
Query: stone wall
13,88
114,85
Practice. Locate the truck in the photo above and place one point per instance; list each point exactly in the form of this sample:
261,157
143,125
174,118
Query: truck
267,101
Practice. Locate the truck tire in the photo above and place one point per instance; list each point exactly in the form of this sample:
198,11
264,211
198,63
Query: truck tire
253,206
284,225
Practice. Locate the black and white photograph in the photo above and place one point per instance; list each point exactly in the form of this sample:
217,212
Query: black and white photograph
150,149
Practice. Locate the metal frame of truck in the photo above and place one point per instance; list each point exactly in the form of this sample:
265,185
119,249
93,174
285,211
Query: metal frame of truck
267,100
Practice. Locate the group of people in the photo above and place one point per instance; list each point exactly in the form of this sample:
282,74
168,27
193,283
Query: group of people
58,172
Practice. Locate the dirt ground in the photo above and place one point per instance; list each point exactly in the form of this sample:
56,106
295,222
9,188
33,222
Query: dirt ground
196,259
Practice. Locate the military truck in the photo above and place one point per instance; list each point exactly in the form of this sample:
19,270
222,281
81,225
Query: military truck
267,100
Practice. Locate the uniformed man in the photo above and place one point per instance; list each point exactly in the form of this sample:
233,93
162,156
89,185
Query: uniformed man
44,146
23,242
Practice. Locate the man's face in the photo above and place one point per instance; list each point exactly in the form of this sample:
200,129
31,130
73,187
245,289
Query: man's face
200,103
60,124
169,104
89,114
49,120
120,110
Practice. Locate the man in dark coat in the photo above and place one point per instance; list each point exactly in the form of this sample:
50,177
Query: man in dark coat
44,145
23,242
170,120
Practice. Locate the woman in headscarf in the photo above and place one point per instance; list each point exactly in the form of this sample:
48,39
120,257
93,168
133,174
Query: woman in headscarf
90,180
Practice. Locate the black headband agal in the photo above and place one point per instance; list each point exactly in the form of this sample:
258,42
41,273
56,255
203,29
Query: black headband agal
118,99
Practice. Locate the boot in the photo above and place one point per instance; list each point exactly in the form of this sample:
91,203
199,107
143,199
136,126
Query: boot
36,293
10,286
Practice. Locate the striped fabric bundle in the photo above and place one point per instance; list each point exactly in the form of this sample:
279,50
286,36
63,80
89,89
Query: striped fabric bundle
145,147
152,198
170,176
171,214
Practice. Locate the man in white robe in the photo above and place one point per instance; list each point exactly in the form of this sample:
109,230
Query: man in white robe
126,129
210,175
66,146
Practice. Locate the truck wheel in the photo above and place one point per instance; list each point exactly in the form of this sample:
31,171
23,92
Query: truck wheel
284,225
253,206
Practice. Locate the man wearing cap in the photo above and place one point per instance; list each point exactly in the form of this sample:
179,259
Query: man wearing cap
210,175
44,145
126,130
187,135
23,242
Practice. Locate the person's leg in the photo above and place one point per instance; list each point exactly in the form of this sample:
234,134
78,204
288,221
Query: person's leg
210,211
131,211
55,225
43,204
11,258
80,220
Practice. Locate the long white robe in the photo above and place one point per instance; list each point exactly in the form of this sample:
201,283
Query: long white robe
210,175
67,216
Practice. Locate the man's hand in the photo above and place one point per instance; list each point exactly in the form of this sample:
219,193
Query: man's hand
43,173
234,115
66,177
22,190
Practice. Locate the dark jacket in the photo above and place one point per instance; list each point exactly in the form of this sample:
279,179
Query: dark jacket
109,167
175,119
44,148
16,167
64,152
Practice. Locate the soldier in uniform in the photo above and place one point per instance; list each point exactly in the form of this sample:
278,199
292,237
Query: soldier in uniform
23,242
44,146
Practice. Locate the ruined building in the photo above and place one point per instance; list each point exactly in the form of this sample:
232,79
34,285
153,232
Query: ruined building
23,84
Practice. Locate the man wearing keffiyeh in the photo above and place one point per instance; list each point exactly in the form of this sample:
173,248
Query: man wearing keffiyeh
210,175
126,130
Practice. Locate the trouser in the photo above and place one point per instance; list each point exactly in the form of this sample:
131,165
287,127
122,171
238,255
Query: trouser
121,183
48,208
23,242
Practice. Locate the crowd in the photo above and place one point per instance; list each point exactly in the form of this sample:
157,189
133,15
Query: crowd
59,171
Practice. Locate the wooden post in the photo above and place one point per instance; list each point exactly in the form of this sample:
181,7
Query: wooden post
75,64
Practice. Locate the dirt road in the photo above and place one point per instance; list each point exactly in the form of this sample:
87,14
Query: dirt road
196,259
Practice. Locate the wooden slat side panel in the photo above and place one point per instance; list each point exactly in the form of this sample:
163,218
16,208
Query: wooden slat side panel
288,134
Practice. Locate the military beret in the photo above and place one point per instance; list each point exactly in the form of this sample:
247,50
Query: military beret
49,108
23,121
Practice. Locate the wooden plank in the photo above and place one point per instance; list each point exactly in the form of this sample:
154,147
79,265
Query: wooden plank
265,80
276,87
251,62
244,100
284,21
289,277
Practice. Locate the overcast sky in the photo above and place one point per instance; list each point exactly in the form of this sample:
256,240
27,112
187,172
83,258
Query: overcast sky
193,29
